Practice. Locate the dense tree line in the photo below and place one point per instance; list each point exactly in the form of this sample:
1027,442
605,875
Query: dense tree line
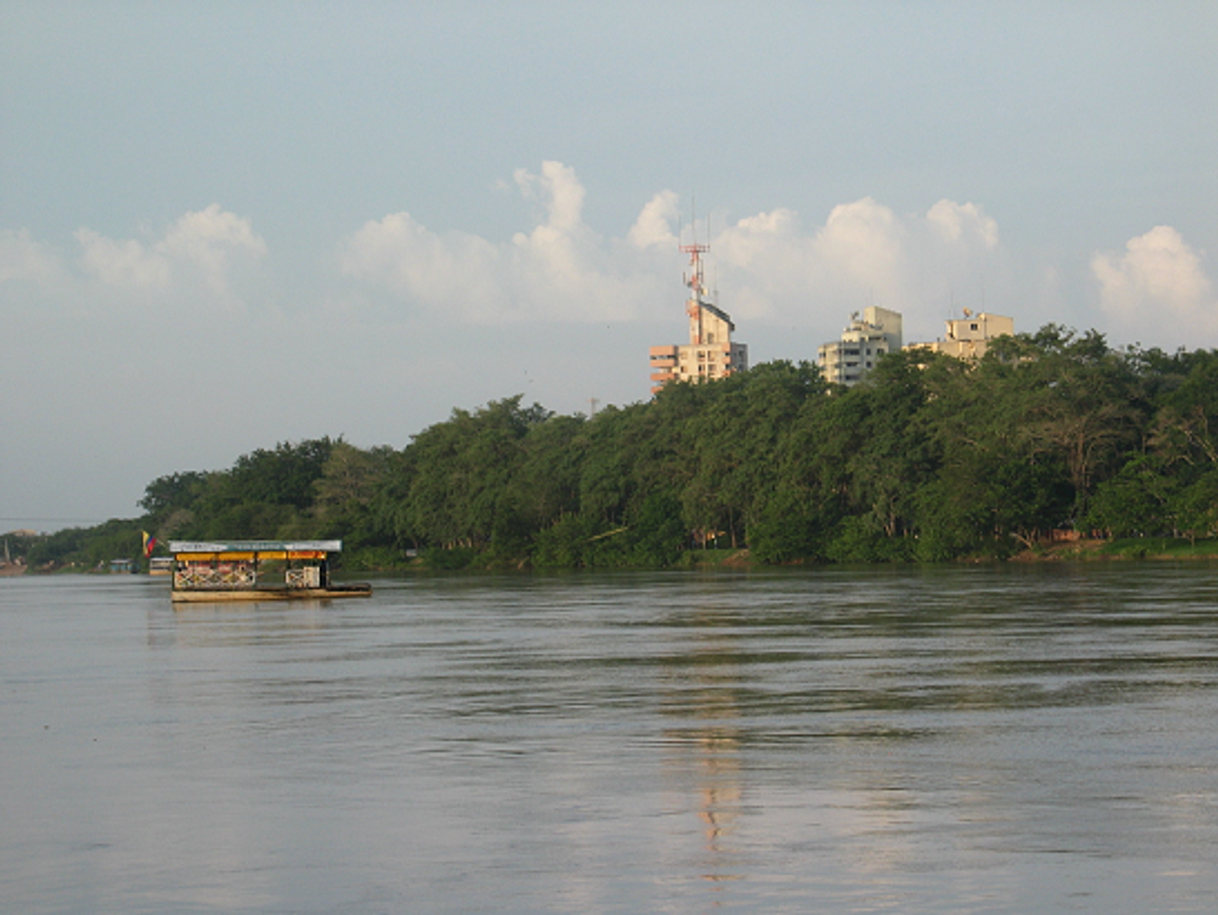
930,459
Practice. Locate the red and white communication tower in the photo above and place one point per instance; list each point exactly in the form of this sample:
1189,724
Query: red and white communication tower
710,354
695,278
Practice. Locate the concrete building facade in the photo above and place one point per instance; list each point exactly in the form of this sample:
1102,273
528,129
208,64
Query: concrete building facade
969,337
848,360
710,353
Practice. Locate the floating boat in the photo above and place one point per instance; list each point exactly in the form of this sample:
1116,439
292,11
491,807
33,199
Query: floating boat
208,572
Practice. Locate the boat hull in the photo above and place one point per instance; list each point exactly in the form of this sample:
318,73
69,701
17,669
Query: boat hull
225,595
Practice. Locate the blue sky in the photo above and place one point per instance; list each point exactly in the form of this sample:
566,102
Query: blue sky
231,224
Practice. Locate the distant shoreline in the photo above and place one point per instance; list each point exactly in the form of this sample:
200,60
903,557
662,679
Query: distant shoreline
1154,549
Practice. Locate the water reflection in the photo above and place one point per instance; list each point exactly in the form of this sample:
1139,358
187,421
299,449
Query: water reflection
705,748
200,625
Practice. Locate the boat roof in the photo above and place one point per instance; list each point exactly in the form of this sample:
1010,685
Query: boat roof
253,546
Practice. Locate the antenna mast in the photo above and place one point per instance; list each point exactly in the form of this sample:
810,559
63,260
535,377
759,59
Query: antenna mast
695,278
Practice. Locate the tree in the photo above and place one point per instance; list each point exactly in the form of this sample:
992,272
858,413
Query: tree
344,493
463,468
172,492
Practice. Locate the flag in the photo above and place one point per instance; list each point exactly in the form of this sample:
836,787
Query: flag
149,543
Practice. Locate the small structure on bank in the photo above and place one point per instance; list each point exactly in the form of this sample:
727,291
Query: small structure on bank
256,570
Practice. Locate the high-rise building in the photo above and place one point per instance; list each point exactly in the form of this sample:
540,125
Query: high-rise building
848,360
710,352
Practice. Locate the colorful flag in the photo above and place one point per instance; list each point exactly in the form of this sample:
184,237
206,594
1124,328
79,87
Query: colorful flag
149,543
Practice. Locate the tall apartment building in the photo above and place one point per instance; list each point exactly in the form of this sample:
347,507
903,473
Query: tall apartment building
969,337
710,352
848,360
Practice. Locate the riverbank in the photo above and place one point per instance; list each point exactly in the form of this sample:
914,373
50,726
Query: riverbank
1123,548
1126,549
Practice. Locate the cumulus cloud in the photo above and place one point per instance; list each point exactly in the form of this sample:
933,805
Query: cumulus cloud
21,257
558,191
958,222
1159,275
767,265
654,225
122,262
560,270
205,246
204,258
865,253
214,241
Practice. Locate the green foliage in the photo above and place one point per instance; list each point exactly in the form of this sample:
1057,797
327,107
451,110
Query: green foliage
449,559
657,534
565,544
87,548
1136,501
173,492
930,459
787,527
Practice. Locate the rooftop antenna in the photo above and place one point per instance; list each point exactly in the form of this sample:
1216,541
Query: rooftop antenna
695,279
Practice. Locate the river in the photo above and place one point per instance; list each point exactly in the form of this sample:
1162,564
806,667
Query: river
997,738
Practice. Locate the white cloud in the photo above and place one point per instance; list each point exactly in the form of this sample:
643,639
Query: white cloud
205,260
23,258
455,271
958,222
769,266
766,265
215,242
559,191
864,254
864,245
560,270
1159,276
125,262
204,247
654,225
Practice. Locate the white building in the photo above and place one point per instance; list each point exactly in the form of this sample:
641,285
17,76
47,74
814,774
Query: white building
710,352
969,337
848,360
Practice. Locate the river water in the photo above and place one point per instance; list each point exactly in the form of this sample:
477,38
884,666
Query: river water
1007,738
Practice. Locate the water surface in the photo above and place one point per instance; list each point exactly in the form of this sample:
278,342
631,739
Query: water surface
964,739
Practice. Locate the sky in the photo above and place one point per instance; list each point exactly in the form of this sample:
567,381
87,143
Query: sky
229,225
